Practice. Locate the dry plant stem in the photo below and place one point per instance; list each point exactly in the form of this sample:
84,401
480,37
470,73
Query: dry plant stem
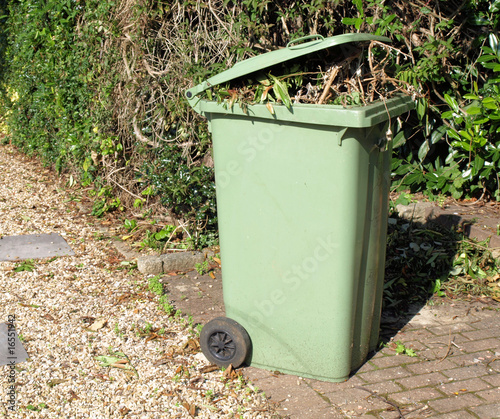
333,75
326,90
448,351
387,48
123,188
383,399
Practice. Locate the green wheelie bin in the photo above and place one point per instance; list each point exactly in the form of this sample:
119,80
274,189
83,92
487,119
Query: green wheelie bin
302,203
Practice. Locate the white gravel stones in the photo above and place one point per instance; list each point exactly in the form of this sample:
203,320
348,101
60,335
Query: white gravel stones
157,375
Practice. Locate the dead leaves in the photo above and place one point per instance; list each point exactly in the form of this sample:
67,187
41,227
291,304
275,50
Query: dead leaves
192,346
230,373
191,408
95,324
55,382
209,368
98,324
128,297
117,360
48,317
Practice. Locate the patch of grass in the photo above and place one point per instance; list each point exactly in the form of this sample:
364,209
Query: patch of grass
27,265
202,268
155,286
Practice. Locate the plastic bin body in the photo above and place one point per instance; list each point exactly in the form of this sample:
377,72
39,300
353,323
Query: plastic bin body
302,200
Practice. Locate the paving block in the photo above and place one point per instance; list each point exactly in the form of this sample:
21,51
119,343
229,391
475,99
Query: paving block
422,380
385,374
457,403
293,395
33,246
393,361
481,334
466,372
493,379
456,415
487,411
454,328
464,359
12,351
327,387
464,386
384,388
426,367
416,395
490,395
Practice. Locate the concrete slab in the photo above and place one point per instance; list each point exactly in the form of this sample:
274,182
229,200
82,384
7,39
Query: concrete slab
33,246
11,349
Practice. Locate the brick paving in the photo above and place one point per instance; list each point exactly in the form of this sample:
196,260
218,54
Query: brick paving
456,373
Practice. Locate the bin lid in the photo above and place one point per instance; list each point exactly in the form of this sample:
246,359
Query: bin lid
294,49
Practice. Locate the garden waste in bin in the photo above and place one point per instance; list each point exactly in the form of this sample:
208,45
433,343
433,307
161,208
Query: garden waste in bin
302,202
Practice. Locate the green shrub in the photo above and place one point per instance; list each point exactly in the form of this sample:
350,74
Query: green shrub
96,89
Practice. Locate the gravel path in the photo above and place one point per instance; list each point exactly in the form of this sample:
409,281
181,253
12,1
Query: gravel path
99,341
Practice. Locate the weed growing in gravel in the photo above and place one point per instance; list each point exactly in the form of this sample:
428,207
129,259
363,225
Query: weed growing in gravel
198,329
119,333
98,235
202,268
37,408
166,306
155,286
27,265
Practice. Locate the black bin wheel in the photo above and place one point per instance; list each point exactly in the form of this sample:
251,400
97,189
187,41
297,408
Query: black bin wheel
224,341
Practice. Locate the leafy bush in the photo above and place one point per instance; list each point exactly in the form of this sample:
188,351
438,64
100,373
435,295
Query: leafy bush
95,89
454,147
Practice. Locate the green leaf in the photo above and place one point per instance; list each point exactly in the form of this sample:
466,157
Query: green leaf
491,66
481,121
389,19
486,58
421,108
471,96
494,44
86,164
106,361
410,352
453,134
423,150
399,139
438,133
473,110
490,105
281,92
359,6
452,102
350,21
494,6
465,134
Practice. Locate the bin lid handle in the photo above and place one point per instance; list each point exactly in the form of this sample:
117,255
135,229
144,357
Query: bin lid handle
299,41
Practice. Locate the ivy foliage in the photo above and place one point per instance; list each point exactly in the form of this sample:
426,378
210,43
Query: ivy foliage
96,89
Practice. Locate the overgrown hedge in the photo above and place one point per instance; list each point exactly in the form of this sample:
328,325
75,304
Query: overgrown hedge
95,88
